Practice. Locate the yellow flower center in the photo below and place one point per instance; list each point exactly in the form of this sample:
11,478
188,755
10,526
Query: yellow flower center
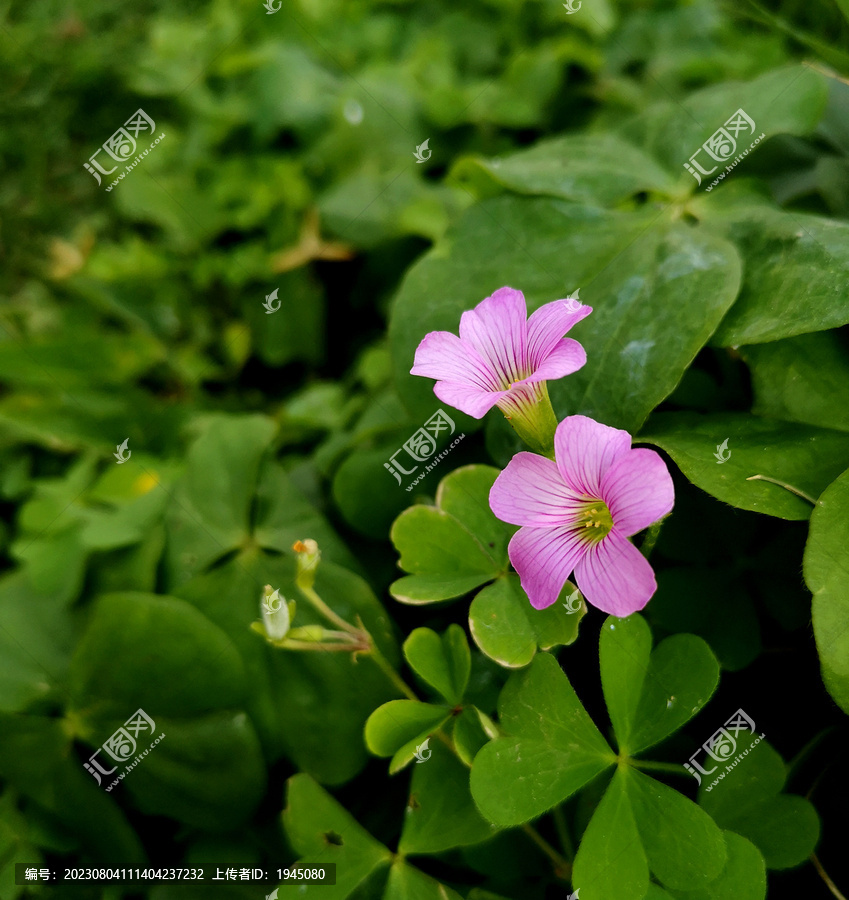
594,521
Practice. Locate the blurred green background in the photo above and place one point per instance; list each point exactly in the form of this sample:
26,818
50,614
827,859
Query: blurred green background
288,164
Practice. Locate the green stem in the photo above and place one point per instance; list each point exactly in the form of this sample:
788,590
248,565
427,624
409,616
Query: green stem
325,610
824,875
651,538
564,867
388,671
672,768
287,644
787,487
563,831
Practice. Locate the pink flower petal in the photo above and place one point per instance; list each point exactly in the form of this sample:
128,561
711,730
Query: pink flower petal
565,358
544,557
472,401
638,490
444,356
585,450
548,325
530,491
496,328
615,577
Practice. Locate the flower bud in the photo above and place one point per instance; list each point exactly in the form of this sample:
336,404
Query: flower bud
308,560
276,614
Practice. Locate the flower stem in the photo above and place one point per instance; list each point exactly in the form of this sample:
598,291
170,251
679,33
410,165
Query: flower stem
787,487
325,610
383,663
287,644
651,538
563,866
824,875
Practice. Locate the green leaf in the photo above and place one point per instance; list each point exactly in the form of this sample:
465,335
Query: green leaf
320,830
153,652
746,798
211,512
464,494
802,379
472,729
509,630
624,653
743,878
652,311
674,131
161,655
684,847
443,663
551,750
610,861
36,641
284,515
650,695
37,759
794,265
399,722
802,456
432,540
826,570
208,771
417,590
440,814
600,169
453,547
312,707
408,883
366,494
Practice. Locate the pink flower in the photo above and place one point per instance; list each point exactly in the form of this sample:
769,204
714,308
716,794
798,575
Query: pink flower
577,513
502,358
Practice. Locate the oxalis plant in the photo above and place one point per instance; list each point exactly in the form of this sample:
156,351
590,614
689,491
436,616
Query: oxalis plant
564,530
